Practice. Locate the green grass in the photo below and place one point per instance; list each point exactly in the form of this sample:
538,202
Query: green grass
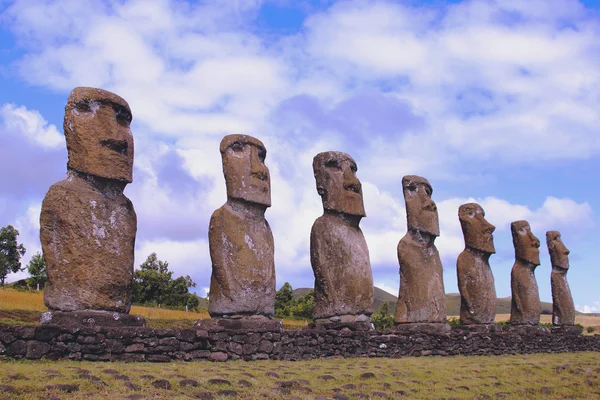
538,376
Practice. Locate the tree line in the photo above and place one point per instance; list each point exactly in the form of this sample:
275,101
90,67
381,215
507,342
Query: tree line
153,283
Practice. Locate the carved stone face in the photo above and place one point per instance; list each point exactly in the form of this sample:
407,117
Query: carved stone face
421,211
477,231
246,175
559,254
340,189
99,141
527,246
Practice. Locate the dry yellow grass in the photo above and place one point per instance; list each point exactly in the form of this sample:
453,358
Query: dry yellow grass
11,299
163,313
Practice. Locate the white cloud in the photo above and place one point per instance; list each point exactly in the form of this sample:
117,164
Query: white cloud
486,80
31,124
594,308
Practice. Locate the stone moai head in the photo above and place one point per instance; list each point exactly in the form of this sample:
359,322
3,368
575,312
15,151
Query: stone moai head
99,141
421,211
559,254
246,175
527,246
337,184
477,231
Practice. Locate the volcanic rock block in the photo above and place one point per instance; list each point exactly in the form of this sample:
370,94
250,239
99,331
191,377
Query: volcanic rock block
525,303
475,278
421,297
338,251
87,225
563,308
240,239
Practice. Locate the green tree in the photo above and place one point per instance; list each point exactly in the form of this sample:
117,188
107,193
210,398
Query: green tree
305,306
382,319
151,281
37,270
283,300
153,284
10,252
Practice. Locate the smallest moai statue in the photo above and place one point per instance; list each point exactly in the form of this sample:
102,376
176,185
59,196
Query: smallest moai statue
475,278
563,309
525,303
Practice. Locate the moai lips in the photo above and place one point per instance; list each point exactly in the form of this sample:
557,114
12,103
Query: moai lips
240,239
563,308
525,303
475,278
87,225
421,297
338,250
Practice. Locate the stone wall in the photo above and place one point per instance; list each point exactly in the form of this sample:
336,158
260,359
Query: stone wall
163,345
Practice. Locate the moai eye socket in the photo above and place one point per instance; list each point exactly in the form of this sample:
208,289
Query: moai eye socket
412,187
353,167
237,147
262,154
83,106
332,164
123,116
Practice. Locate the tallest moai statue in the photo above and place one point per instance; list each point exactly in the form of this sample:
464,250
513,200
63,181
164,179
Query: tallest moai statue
87,225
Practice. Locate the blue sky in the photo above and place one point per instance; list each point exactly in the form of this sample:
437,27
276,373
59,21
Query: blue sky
493,101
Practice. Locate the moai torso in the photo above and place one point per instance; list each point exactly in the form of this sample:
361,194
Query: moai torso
87,225
338,251
243,275
340,260
475,278
421,297
88,239
240,239
525,303
563,309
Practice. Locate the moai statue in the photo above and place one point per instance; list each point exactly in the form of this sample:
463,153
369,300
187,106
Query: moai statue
242,285
338,251
421,298
563,309
475,278
525,304
87,225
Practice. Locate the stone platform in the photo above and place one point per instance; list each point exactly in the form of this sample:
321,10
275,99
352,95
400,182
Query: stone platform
91,318
426,327
245,324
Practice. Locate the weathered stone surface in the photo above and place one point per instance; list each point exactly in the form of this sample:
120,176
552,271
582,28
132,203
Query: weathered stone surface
563,308
240,239
421,297
338,251
475,278
263,324
91,318
87,225
405,340
525,303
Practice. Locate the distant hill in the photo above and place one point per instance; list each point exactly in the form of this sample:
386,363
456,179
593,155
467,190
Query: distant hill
452,302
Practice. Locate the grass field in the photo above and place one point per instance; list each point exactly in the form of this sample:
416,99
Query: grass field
535,376
538,376
17,307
